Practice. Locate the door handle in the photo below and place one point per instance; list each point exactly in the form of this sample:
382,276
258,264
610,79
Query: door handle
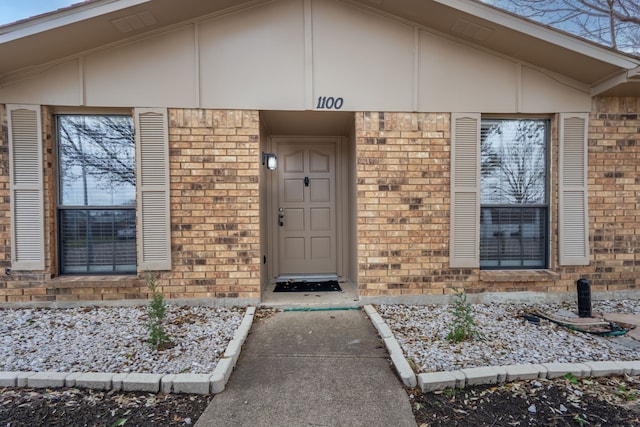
281,217
306,181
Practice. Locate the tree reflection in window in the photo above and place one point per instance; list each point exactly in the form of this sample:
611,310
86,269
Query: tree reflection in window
96,158
514,162
513,222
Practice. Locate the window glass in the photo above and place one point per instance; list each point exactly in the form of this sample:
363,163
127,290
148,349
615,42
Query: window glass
98,241
96,206
513,167
97,165
514,212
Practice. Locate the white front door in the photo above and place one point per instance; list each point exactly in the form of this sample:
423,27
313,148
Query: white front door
306,208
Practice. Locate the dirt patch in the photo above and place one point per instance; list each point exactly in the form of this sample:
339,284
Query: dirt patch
560,402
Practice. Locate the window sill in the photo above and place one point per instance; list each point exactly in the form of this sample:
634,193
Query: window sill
123,280
518,276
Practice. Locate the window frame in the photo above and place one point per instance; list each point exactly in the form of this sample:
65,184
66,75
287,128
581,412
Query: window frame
59,195
547,205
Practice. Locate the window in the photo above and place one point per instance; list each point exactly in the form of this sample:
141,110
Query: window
96,194
513,194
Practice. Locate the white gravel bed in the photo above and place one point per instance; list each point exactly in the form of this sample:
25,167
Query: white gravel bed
113,339
508,338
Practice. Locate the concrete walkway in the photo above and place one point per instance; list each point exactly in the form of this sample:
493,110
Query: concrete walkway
312,368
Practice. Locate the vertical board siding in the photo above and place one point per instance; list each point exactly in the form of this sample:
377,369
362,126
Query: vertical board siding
27,195
573,204
152,152
465,191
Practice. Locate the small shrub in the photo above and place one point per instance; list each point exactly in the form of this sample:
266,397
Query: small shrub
463,326
157,314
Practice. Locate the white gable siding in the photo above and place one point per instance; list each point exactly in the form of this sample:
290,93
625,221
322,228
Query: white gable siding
285,54
159,70
254,58
58,84
454,77
542,93
363,58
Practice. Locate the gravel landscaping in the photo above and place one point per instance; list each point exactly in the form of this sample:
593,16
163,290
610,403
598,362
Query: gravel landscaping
113,339
508,338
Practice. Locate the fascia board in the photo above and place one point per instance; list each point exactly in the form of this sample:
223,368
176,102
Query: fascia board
69,16
540,32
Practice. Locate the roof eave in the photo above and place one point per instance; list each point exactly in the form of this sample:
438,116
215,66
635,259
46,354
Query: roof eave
63,17
629,79
541,32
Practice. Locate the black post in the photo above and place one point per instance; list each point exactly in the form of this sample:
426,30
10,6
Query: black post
584,298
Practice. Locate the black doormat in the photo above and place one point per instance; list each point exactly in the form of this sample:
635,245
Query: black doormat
306,286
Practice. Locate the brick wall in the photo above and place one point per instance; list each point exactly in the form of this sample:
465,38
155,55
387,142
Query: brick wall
215,218
614,193
214,168
403,208
50,192
403,196
403,204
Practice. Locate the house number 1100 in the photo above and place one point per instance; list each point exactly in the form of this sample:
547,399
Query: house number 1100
329,103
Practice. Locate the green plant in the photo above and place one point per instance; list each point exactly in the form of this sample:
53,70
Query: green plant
157,316
569,377
463,326
450,393
626,394
578,419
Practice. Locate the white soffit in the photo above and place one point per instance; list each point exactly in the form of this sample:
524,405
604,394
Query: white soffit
134,22
624,84
539,31
301,123
492,29
84,27
67,16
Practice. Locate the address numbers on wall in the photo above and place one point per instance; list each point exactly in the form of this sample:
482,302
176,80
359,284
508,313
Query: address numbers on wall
329,103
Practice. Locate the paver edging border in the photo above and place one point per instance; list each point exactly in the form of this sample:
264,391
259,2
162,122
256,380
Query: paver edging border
146,382
402,367
489,375
437,381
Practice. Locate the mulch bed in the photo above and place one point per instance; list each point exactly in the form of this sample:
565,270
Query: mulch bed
560,402
83,407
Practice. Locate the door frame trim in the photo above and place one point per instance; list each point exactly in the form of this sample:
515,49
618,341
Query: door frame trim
342,237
